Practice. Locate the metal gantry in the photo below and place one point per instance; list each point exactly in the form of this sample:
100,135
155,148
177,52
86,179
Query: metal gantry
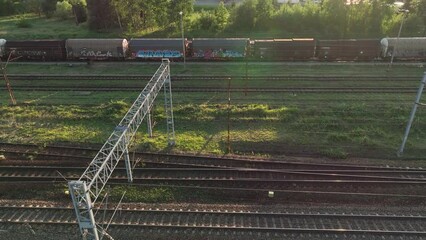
413,113
85,191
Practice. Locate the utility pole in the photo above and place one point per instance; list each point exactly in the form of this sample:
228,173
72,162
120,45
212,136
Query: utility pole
413,113
404,13
183,39
6,79
229,115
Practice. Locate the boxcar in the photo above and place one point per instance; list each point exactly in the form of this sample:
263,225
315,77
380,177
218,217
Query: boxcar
2,43
157,48
219,48
404,48
285,49
348,49
96,49
36,49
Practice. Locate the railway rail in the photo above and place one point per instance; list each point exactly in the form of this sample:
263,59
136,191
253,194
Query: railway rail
51,173
84,154
220,173
207,222
224,89
241,179
36,77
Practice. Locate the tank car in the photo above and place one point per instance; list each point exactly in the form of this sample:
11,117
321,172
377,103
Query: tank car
36,49
157,48
97,49
219,48
413,48
348,49
284,49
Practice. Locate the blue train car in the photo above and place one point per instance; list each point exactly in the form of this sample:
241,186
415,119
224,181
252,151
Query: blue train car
157,48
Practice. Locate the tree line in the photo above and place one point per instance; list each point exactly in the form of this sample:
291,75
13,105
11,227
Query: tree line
255,18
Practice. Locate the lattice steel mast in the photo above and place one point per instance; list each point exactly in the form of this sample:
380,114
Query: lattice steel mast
413,113
85,191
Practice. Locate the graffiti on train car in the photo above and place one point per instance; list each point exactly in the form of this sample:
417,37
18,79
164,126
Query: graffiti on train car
36,53
159,54
93,53
218,53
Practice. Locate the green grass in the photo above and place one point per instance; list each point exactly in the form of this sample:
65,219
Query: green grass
339,131
226,68
336,125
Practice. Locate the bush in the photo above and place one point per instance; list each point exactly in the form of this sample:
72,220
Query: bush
63,10
335,153
24,23
206,21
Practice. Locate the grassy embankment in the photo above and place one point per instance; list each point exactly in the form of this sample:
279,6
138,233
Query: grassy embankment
336,125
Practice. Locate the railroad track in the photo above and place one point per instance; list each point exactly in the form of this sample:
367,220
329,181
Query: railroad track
208,222
224,89
226,174
35,77
242,179
51,173
84,154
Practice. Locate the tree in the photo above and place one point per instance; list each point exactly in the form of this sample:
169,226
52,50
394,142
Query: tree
161,16
128,13
176,6
79,10
375,17
33,6
140,14
264,12
244,15
221,16
419,8
10,7
63,10
206,21
334,18
101,14
48,7
358,20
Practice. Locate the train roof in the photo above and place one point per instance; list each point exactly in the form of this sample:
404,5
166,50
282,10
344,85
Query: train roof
229,43
407,43
97,43
30,43
157,43
156,39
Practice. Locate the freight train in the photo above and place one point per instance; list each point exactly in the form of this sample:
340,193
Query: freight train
216,49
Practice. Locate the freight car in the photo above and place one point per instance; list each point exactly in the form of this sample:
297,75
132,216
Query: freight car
284,49
348,49
97,49
2,43
36,49
157,48
404,48
200,49
219,48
